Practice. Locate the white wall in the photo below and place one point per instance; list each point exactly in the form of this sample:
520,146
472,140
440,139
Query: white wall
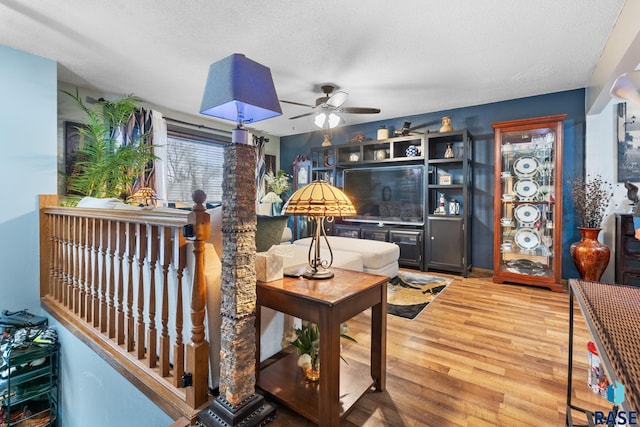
601,157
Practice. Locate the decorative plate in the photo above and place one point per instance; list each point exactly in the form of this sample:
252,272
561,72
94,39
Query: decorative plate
526,166
527,214
526,189
527,238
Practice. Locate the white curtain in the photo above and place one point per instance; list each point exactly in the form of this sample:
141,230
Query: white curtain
260,168
159,129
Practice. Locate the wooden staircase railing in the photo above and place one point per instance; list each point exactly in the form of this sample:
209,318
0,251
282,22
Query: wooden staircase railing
116,279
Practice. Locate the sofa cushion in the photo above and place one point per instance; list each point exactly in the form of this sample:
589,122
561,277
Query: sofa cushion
295,255
375,254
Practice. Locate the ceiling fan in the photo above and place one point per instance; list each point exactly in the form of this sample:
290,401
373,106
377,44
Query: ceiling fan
328,107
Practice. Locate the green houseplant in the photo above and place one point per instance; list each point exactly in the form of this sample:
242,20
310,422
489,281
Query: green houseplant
306,341
104,166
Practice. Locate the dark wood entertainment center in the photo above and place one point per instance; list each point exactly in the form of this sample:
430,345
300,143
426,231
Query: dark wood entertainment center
439,238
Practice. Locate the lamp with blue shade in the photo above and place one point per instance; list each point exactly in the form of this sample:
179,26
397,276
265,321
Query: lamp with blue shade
240,90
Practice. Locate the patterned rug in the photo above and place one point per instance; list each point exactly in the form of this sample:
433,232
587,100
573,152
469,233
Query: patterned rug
410,293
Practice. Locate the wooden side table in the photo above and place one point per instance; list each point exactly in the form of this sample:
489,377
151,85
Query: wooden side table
327,303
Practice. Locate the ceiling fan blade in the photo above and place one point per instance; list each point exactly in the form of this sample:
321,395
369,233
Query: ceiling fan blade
301,115
360,110
337,99
296,103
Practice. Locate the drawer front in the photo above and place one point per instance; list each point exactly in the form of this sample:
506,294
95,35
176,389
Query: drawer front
626,225
373,234
346,231
631,263
631,279
631,245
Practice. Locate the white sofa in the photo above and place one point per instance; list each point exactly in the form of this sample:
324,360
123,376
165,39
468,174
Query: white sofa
377,257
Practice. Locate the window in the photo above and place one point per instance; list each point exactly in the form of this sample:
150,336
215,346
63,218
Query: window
194,161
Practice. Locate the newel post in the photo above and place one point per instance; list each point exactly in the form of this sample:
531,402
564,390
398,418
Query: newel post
198,347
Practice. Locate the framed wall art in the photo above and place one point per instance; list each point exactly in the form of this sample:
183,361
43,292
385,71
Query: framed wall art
628,123
270,163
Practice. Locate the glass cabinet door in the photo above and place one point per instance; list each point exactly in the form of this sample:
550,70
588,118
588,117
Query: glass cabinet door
528,202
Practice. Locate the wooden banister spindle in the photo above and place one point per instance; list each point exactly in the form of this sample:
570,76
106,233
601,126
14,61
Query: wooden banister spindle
74,306
57,282
52,254
82,225
165,342
180,262
68,293
152,333
104,249
111,308
95,301
122,245
198,348
131,250
65,261
142,254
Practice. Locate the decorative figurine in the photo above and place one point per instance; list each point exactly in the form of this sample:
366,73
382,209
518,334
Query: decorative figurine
448,153
441,206
383,132
446,124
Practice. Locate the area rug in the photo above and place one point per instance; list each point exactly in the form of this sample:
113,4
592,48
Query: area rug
410,293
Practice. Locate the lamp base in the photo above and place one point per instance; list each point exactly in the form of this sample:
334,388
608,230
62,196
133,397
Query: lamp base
318,274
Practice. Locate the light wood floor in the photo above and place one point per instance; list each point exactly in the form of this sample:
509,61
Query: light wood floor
482,354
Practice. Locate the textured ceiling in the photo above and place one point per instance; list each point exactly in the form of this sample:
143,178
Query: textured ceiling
407,57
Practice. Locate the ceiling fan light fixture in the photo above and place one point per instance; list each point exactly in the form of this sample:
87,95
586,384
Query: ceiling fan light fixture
334,120
331,121
320,120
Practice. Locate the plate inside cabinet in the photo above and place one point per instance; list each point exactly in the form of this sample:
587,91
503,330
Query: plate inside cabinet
526,189
527,238
526,214
526,166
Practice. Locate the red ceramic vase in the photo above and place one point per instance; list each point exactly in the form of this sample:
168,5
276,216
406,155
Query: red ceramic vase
589,255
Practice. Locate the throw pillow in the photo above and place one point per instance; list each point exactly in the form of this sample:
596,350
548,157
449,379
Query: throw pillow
269,231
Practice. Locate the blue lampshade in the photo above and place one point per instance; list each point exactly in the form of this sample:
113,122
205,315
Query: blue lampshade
240,90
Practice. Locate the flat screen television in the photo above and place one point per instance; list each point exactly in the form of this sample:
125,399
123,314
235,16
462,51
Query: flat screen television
386,194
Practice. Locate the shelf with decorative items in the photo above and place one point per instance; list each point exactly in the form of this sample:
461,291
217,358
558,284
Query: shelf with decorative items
527,219
323,166
449,199
402,148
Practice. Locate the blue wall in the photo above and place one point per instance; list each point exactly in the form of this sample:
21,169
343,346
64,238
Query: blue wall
92,393
28,167
477,120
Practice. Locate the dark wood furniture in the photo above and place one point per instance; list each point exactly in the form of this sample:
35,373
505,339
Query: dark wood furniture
611,315
627,251
449,182
527,205
327,303
441,240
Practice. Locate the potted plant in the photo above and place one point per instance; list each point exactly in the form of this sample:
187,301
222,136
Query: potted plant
306,341
278,184
591,196
105,167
